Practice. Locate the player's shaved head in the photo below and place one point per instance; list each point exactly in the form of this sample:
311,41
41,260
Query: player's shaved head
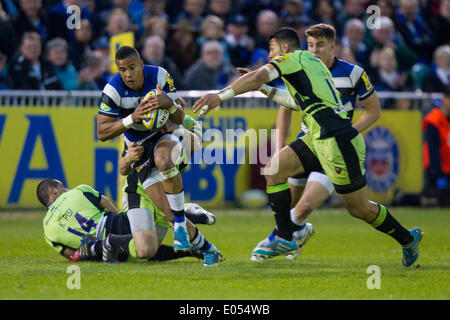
130,66
125,52
42,190
288,36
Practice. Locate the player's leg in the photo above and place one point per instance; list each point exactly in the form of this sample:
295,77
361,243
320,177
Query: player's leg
283,165
345,167
297,185
168,152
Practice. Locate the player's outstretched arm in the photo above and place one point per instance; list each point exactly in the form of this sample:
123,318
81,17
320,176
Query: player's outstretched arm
372,113
248,82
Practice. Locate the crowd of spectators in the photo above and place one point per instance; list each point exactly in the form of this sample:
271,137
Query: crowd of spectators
200,42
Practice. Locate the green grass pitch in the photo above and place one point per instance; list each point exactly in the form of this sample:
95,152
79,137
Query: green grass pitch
333,265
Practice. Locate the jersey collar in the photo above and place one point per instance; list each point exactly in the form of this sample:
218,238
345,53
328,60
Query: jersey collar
333,65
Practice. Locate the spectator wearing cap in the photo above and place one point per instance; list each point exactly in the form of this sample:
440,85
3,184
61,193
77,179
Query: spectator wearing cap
153,53
181,45
266,24
240,45
439,77
28,71
193,12
210,72
414,30
30,18
57,17
436,151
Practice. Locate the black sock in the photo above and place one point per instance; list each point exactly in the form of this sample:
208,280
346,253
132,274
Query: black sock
280,202
166,253
121,241
387,224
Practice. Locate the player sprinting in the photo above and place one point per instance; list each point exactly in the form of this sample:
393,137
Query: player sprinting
121,112
83,217
332,145
310,191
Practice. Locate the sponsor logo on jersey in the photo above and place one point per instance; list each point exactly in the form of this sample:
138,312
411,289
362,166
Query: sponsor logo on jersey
281,58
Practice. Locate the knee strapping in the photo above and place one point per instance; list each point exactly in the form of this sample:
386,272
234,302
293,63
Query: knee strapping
169,173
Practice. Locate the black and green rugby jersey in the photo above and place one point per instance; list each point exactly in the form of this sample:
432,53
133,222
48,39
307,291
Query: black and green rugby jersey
311,86
71,216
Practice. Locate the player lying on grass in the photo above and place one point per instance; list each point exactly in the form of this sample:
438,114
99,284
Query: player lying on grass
82,217
333,145
310,191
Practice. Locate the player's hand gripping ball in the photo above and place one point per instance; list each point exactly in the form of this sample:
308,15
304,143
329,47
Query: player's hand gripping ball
157,118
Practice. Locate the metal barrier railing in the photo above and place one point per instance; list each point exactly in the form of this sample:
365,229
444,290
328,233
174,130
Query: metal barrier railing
418,100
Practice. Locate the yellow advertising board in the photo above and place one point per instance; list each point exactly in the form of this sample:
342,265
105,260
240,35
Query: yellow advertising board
60,143
38,142
117,41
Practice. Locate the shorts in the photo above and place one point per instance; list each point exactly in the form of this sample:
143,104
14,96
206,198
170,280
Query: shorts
341,158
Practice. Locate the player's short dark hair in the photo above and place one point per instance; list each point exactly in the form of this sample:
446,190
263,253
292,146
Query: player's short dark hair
42,190
126,52
286,35
321,30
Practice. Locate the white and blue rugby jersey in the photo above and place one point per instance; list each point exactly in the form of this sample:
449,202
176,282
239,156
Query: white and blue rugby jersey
119,101
352,82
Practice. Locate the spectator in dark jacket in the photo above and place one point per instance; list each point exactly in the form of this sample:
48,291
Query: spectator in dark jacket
211,72
30,18
57,19
414,30
27,71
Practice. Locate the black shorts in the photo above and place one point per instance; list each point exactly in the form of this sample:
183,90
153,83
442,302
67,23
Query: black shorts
117,223
307,158
144,166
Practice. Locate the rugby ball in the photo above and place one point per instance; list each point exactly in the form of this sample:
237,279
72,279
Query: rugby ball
157,118
253,199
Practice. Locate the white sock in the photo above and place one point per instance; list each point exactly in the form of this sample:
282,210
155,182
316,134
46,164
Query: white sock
299,222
